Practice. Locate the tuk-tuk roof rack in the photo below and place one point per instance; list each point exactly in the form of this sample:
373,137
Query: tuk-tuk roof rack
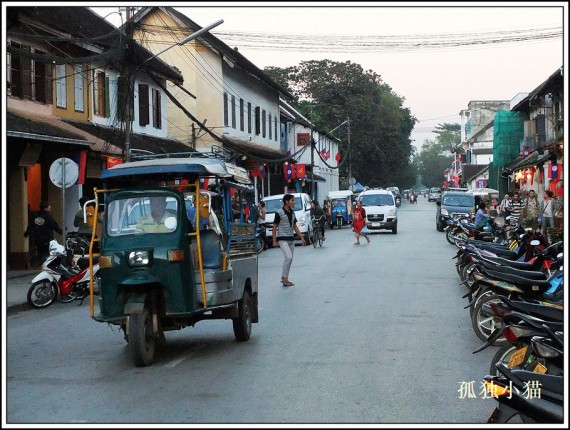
217,152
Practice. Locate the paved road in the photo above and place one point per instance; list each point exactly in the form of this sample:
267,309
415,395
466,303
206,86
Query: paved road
369,334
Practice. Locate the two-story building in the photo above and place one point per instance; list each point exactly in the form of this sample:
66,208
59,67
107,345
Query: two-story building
225,100
65,86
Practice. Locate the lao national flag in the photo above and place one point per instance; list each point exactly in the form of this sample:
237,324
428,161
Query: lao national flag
301,171
323,153
204,183
553,171
328,154
337,157
288,172
261,169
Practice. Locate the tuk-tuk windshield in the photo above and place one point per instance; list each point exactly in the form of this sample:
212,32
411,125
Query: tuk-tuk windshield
142,215
275,204
338,203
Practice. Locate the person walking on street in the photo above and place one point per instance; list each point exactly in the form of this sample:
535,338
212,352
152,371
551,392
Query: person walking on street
286,223
359,222
40,229
547,210
504,206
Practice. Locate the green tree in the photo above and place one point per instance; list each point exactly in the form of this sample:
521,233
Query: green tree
329,92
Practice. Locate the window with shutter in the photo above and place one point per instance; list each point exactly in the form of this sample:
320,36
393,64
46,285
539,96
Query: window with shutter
249,117
40,78
156,117
263,123
226,119
49,83
241,114
96,93
61,93
275,128
143,105
26,74
233,111
257,120
270,128
78,92
125,100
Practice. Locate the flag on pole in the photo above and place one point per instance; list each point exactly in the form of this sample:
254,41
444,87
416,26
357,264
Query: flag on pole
204,183
337,157
301,171
288,172
113,161
553,170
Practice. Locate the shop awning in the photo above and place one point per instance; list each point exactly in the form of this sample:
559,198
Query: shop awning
253,150
533,159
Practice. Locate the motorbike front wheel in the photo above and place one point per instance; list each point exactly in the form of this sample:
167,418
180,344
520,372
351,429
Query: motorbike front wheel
42,294
259,244
141,340
449,236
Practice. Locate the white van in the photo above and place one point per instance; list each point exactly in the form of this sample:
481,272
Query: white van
380,207
302,210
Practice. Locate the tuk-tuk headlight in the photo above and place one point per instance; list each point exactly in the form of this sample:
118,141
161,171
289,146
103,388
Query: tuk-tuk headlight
444,211
138,258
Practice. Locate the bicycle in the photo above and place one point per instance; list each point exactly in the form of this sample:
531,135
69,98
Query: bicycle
317,237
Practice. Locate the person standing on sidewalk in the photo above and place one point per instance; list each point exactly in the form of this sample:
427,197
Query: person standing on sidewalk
40,229
547,211
286,223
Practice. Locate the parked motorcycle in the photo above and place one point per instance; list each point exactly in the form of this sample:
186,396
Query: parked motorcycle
62,279
260,239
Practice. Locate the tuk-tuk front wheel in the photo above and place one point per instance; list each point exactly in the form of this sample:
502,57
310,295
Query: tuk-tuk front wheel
242,324
141,339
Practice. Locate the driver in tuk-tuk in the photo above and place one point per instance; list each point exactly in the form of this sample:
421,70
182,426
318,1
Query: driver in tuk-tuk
154,221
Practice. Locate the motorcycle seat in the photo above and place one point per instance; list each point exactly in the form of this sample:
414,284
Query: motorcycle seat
506,253
545,312
521,265
83,262
512,271
515,318
551,386
529,285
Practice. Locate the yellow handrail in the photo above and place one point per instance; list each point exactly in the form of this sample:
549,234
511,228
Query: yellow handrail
200,263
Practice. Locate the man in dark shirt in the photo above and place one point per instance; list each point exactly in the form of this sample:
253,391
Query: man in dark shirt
319,214
41,227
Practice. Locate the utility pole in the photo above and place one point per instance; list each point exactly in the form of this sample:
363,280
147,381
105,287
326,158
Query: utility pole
349,159
312,167
128,86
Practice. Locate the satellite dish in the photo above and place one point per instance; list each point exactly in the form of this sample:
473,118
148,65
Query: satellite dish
64,170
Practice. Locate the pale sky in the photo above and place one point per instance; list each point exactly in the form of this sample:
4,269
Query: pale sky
436,84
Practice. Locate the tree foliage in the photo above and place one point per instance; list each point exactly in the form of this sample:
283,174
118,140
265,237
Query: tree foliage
328,92
435,156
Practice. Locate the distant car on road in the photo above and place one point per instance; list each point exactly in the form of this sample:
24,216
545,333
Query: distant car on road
452,202
434,194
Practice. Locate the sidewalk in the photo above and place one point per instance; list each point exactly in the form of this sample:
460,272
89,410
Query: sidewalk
17,284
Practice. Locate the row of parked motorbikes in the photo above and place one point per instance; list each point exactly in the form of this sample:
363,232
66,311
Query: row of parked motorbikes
65,275
514,280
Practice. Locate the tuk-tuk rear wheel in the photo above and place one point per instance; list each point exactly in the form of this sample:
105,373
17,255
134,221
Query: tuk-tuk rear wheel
242,324
141,339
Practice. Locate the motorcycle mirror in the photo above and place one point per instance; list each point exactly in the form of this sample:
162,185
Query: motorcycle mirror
438,202
560,256
535,242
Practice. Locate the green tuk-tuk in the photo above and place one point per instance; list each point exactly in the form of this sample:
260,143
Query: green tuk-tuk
158,272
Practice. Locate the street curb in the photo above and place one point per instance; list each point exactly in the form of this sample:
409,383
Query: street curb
20,307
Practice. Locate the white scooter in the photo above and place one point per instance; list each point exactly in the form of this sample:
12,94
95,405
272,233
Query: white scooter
62,279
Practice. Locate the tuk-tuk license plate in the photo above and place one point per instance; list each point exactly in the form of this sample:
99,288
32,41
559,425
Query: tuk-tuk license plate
375,224
517,358
539,368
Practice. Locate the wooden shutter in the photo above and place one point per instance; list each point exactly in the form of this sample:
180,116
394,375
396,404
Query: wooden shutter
257,120
49,83
96,92
156,114
26,74
143,104
79,96
233,111
241,114
249,117
226,120
61,93
40,80
107,105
